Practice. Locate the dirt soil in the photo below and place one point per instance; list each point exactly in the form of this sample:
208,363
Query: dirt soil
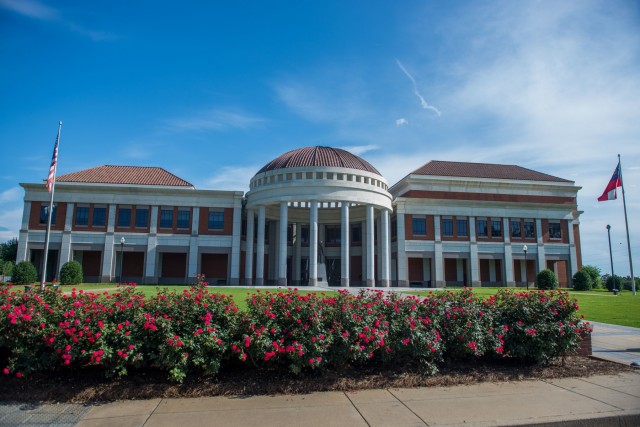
83,386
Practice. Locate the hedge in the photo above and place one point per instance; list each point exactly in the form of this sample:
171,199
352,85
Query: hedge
198,332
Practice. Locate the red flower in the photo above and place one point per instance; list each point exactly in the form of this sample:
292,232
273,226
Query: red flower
5,371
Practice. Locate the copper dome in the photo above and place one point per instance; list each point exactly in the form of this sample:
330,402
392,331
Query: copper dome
319,156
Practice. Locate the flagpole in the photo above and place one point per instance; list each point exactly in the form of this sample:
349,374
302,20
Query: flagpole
626,222
46,236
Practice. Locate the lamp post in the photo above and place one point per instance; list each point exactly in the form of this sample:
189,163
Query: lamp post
526,272
611,254
121,257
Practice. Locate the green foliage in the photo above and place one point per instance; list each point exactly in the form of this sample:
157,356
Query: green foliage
9,250
7,268
612,282
71,273
547,280
595,273
582,281
24,273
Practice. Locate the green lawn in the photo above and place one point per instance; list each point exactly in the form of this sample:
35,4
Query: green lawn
596,305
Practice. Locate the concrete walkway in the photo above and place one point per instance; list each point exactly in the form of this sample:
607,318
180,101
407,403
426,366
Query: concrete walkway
616,343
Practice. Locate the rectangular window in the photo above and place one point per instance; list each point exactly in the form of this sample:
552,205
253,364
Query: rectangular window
554,230
332,234
99,217
496,228
166,218
356,233
515,229
447,227
124,217
529,229
482,228
462,227
184,218
44,214
82,215
142,217
419,226
216,220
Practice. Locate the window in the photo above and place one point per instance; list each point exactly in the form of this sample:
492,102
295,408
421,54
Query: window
515,229
304,234
124,217
332,234
554,230
419,226
529,229
142,217
216,220
356,232
99,217
447,227
496,228
82,215
166,218
482,228
184,218
44,215
462,227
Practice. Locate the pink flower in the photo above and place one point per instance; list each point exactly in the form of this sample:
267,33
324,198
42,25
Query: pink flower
5,371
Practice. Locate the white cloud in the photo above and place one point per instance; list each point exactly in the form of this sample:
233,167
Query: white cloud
235,178
11,194
402,121
216,120
10,220
423,102
358,150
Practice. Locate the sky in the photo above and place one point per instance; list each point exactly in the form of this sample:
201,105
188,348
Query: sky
212,91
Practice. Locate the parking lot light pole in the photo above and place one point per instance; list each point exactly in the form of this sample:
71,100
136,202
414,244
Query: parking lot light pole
526,272
121,257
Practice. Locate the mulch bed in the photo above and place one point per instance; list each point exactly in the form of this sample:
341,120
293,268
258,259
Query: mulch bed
87,385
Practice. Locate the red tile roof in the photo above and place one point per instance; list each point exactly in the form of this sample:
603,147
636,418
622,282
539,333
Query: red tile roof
319,156
483,170
131,175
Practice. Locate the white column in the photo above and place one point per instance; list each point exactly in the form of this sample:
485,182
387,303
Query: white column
282,257
523,270
106,272
384,239
492,270
65,246
438,264
573,255
24,233
370,248
508,255
192,262
248,261
460,270
313,244
401,254
297,258
260,247
542,259
152,241
473,253
344,253
234,276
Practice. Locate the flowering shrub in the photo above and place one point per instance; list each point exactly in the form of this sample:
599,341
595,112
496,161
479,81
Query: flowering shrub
194,330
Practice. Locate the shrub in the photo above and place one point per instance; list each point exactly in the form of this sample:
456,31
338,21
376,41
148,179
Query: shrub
24,273
71,273
595,273
613,282
7,268
547,280
582,281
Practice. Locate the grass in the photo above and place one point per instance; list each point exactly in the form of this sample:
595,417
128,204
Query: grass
597,305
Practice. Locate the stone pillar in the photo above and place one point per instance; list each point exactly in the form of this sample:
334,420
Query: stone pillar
313,244
234,276
508,255
150,275
384,240
370,247
542,259
24,234
65,246
473,253
438,264
344,254
107,272
248,259
282,250
297,258
573,256
401,254
192,263
260,247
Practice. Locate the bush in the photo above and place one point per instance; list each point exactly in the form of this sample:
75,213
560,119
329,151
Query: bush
582,281
7,268
547,280
613,282
594,273
24,273
71,273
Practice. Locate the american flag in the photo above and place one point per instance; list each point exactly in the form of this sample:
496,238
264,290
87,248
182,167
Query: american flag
52,168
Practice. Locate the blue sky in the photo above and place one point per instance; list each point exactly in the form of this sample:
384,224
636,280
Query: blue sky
212,91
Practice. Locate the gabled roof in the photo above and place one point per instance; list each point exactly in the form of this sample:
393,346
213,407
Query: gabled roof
319,156
127,175
483,170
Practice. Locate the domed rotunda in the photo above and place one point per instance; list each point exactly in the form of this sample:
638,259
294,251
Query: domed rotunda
322,217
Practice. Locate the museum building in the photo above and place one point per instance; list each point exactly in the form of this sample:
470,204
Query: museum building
313,216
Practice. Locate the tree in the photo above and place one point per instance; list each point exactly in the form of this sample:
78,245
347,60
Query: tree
595,274
612,282
9,250
547,280
582,281
24,273
7,268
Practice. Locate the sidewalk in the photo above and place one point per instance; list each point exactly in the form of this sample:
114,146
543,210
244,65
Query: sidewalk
616,343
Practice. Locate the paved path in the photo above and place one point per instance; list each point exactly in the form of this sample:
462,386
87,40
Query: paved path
616,343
